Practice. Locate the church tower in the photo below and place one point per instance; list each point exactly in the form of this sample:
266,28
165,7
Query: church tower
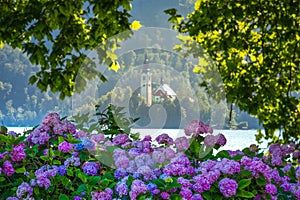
146,83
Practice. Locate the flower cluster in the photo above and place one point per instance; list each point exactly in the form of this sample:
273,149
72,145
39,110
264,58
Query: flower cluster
59,161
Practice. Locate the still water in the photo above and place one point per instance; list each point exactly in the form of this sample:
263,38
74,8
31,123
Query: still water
236,139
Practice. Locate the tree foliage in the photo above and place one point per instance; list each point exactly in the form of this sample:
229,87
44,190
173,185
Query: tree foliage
255,45
56,35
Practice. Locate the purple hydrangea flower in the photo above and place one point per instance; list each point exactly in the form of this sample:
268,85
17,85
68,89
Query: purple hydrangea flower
196,197
77,198
24,189
182,143
158,156
121,188
18,153
186,193
197,127
8,168
65,147
120,139
64,127
120,173
51,119
210,140
165,195
12,133
221,139
122,162
62,170
169,153
72,161
228,187
91,168
39,136
12,198
97,138
271,189
137,187
164,139
153,188
80,134
104,195
87,144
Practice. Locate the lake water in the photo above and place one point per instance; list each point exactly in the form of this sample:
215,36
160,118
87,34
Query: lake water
236,139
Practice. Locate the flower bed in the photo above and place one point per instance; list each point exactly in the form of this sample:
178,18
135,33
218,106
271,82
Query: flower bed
56,161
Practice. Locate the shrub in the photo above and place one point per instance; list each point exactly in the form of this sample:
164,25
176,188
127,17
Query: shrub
57,161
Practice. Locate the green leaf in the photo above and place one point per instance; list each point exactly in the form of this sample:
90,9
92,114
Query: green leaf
70,172
81,188
223,154
2,179
94,180
159,182
246,173
21,170
243,183
63,197
82,177
245,194
261,181
207,196
108,176
57,162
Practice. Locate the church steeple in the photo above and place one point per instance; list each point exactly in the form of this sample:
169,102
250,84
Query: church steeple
146,82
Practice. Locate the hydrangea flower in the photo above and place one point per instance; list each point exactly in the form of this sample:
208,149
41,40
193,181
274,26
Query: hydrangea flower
121,188
210,140
271,189
120,173
120,139
221,139
91,168
24,189
122,162
97,138
65,147
72,161
8,168
18,153
182,143
137,187
228,187
103,195
51,119
164,139
64,127
86,143
62,170
197,127
39,136
153,188
165,195
158,156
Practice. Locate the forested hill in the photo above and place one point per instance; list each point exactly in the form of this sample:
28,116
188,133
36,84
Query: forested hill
21,103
